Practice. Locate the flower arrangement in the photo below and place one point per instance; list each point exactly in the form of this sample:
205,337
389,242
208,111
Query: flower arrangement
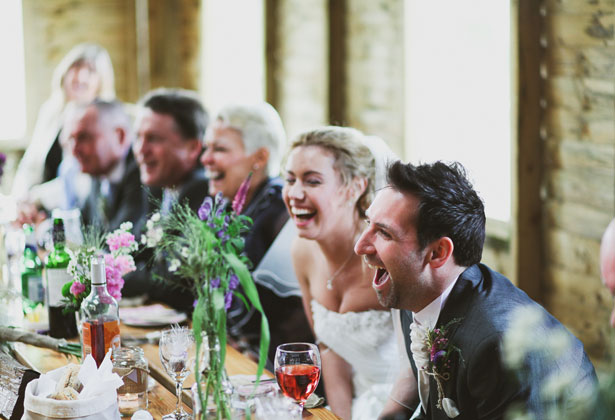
207,248
561,397
118,262
434,358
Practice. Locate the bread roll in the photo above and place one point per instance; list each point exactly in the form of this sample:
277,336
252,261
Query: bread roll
70,379
65,394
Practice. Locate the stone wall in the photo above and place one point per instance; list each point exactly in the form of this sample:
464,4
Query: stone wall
375,67
579,162
297,62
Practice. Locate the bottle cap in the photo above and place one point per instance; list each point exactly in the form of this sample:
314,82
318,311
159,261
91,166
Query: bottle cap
98,270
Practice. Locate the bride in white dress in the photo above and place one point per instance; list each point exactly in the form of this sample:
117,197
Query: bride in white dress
331,175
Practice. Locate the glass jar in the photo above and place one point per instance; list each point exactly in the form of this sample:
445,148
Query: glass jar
130,363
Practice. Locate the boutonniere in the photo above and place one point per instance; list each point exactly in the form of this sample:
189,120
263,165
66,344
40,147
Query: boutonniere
441,351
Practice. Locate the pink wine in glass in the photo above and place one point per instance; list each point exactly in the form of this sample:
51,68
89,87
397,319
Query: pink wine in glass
298,381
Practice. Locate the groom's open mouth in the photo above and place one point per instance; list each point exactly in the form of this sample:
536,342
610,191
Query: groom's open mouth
381,277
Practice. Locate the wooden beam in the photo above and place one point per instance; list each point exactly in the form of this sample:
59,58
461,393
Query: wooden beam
338,35
272,17
528,238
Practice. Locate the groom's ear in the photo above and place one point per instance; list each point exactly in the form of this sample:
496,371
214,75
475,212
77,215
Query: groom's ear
441,251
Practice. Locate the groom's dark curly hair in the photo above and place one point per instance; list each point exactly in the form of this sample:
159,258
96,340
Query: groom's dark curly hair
449,206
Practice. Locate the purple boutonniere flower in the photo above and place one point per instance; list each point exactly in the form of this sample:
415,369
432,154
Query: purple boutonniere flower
441,351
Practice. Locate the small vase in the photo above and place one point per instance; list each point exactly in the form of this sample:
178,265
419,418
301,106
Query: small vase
216,388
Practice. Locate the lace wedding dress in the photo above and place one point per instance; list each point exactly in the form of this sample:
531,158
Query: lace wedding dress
366,340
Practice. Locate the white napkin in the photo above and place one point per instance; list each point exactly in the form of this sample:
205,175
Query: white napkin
97,381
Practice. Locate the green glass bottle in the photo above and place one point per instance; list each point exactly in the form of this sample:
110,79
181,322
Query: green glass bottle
31,272
60,325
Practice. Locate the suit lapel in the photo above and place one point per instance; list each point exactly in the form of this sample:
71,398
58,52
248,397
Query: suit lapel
455,307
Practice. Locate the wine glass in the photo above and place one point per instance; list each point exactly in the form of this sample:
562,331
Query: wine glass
297,370
177,352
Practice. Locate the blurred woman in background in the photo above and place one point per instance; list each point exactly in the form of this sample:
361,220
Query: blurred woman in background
48,177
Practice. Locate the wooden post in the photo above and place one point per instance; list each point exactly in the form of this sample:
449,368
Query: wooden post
528,241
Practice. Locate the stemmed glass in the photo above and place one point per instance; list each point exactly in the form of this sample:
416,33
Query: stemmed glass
177,352
297,370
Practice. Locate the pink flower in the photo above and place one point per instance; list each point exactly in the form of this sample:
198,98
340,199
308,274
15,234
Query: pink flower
125,264
242,193
115,268
77,288
120,240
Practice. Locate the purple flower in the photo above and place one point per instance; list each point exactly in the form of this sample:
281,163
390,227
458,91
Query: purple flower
233,282
436,357
205,209
228,298
219,199
2,161
220,209
242,193
215,283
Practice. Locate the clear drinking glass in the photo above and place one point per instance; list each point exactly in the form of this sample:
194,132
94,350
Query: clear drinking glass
297,370
177,352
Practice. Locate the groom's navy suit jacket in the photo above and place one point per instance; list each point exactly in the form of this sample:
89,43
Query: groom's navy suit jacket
480,385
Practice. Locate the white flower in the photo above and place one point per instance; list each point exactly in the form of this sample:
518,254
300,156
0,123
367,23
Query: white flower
152,236
420,346
185,252
175,263
450,408
155,217
520,337
559,342
126,226
558,382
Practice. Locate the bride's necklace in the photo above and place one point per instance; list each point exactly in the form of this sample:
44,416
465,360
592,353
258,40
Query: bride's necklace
337,272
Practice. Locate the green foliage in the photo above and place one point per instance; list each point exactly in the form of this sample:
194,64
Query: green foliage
207,250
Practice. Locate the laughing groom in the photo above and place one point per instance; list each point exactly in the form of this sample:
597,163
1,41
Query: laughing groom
425,235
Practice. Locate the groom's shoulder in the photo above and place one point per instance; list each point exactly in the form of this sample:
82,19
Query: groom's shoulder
486,300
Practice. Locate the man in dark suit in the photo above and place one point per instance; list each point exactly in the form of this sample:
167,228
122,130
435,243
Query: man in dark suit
170,127
425,235
99,135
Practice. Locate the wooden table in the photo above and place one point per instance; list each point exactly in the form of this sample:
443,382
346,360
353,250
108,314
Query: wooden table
162,397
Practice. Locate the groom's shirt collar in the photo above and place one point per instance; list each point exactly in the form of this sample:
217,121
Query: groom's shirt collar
428,316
